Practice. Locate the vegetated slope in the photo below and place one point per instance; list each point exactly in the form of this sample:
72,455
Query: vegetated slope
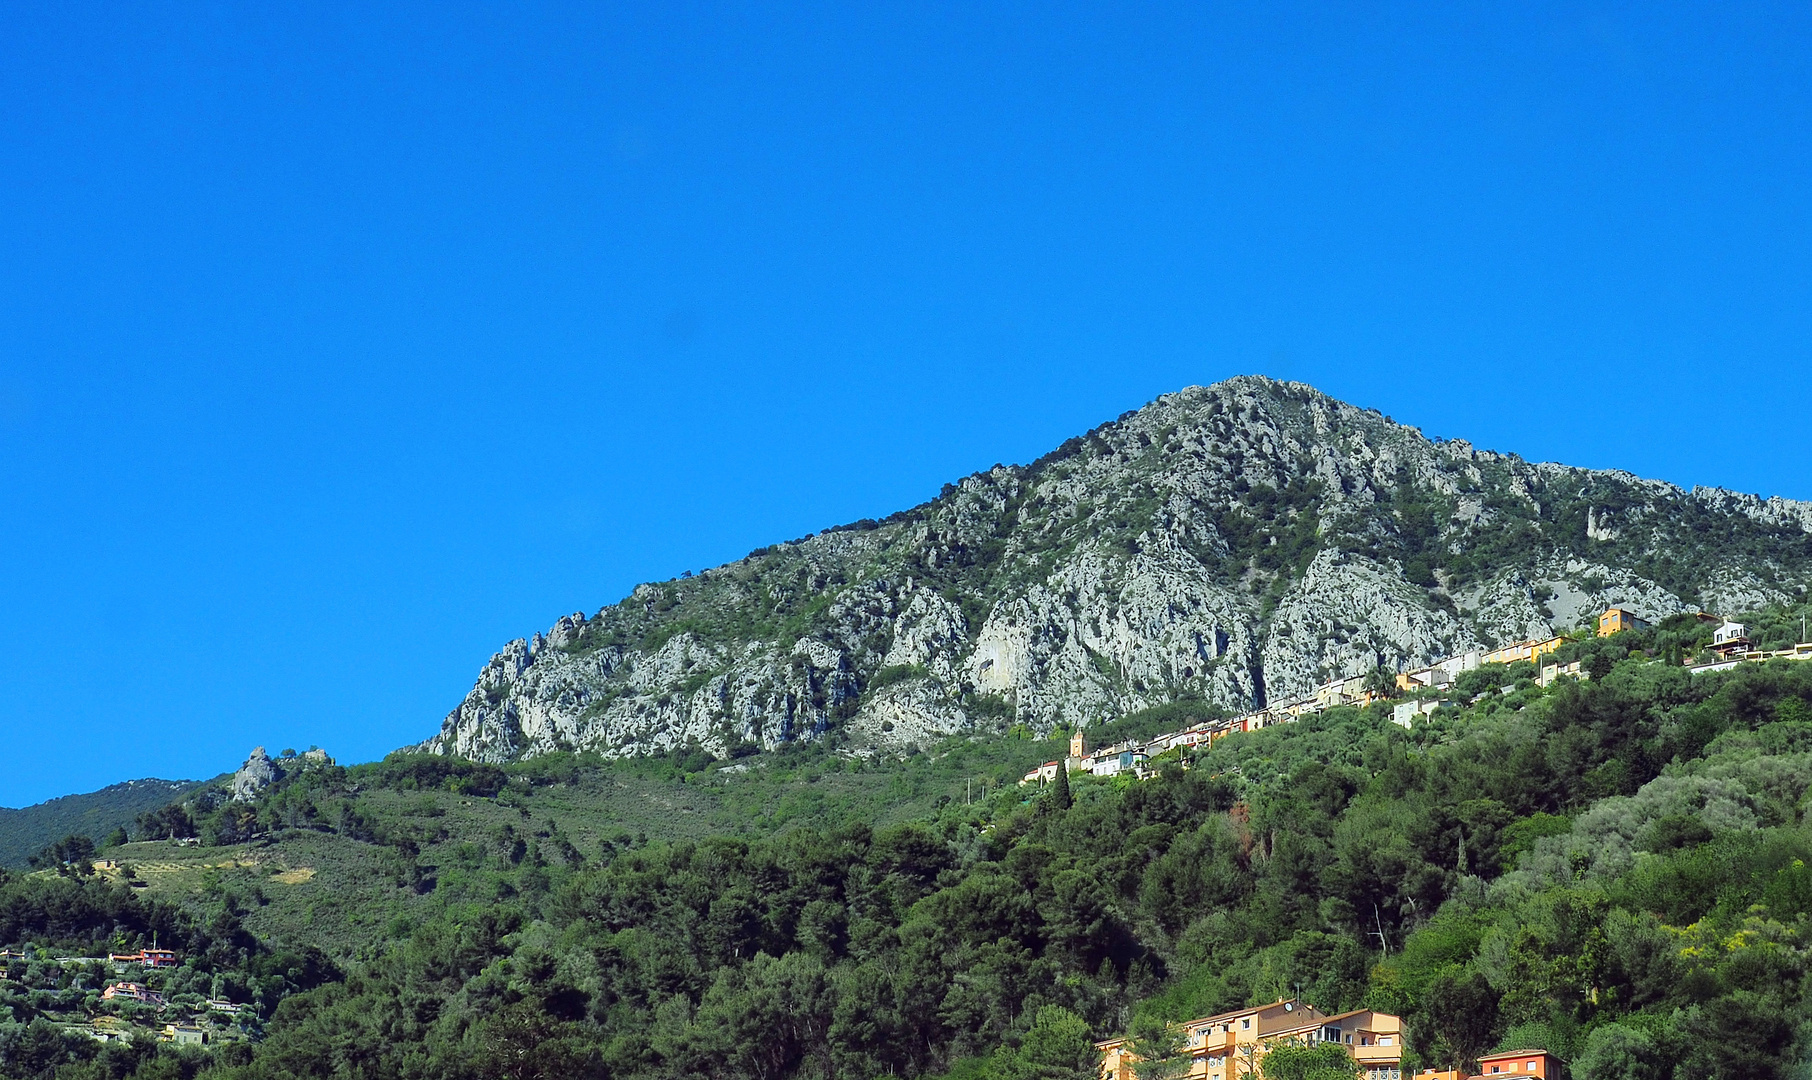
337,859
1230,544
1614,870
25,832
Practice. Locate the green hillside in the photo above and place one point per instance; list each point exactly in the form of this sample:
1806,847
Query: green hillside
1614,869
25,832
338,858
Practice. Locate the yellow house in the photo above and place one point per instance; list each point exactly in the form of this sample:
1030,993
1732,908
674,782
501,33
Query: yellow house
1616,620
1531,651
1232,1045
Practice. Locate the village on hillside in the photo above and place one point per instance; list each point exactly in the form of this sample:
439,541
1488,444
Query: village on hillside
122,997
1730,646
1232,1045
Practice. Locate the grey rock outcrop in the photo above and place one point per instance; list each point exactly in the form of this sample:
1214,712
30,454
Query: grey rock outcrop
258,773
261,770
1232,543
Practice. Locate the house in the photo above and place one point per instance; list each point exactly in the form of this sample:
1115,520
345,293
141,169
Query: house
131,991
1405,713
1347,691
1194,736
184,1035
1730,639
1441,1074
1531,651
1232,1045
1373,1039
1441,672
1043,774
1522,1063
221,1005
1551,672
1116,759
151,958
1802,651
1616,620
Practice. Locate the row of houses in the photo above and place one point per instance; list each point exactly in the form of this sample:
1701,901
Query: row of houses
1730,641
1233,1045
1133,757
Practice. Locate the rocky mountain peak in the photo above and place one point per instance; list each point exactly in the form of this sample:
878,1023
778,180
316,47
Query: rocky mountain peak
1224,543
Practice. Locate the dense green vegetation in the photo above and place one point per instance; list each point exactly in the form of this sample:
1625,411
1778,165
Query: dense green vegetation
95,815
1617,870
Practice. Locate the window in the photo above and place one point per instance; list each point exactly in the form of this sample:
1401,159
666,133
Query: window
1532,1066
1246,1023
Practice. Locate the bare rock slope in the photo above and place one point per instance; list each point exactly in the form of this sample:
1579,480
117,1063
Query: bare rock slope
1231,543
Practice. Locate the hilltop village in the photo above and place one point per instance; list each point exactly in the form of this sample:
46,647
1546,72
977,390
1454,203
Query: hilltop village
1421,687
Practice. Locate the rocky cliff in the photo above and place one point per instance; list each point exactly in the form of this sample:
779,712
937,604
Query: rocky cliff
1228,543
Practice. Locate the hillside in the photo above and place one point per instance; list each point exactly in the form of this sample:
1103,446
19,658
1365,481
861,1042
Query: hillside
1612,869
333,859
95,815
1228,544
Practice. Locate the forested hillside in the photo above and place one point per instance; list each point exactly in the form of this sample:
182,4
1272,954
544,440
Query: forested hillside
1614,869
96,815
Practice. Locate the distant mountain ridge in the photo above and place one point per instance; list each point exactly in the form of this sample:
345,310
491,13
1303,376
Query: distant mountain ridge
1224,543
25,832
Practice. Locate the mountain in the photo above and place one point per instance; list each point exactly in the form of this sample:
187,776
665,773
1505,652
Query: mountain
25,832
1229,544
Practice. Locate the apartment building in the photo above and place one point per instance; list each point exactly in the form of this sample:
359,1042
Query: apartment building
1532,651
1232,1045
1616,620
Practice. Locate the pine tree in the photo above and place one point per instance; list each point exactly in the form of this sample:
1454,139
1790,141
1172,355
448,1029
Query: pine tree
1061,799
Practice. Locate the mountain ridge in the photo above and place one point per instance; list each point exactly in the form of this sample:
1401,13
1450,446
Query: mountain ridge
1222,543
26,830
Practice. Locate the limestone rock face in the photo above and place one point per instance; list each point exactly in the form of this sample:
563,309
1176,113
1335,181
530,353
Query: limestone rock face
258,773
261,770
1236,543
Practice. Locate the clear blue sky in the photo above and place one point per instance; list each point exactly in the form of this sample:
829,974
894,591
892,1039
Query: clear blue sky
339,345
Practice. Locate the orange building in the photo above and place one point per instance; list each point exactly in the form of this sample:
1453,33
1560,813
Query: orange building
1232,1045
1522,1063
1616,620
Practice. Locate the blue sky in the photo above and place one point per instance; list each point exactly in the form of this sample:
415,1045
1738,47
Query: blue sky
339,345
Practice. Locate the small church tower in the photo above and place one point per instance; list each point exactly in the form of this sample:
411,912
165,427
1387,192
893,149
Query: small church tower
1078,745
